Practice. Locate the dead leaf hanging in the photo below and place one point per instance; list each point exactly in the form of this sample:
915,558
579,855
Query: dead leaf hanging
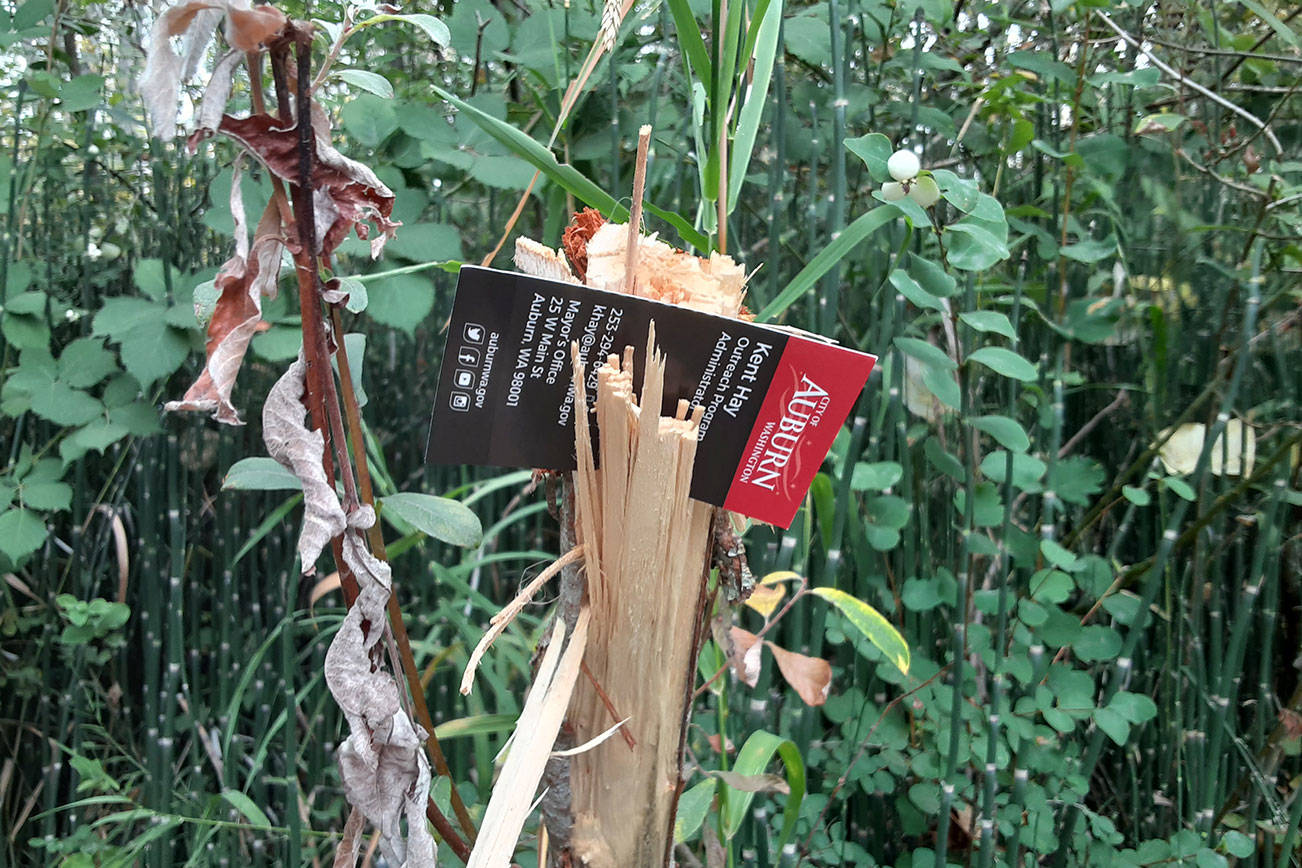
242,282
810,676
346,193
293,445
247,27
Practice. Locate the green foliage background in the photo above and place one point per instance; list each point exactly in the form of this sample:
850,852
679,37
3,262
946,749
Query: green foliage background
1104,646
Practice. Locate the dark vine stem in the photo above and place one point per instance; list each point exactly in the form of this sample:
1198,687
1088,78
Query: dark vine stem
376,538
324,403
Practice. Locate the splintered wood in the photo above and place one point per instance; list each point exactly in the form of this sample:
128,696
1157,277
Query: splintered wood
645,544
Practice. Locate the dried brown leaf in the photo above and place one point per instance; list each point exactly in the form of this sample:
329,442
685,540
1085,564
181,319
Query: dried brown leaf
810,676
242,281
385,775
346,852
293,445
346,194
247,28
744,655
382,764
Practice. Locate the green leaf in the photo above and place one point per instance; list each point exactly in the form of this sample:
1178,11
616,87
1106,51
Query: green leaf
477,724
1089,250
448,520
1005,362
25,331
987,510
690,41
1116,726
21,533
874,149
962,193
753,759
693,806
929,354
1027,470
973,246
875,477
920,595
48,496
1097,643
81,93
1238,844
1051,586
1076,479
245,806
1134,707
85,362
1007,432
97,436
760,73
909,288
435,29
539,156
358,297
29,303
64,405
989,321
426,242
371,82
259,474
1182,489
31,13
149,278
1282,30
871,623
369,119
931,276
944,386
861,228
150,348
402,301
1206,857
1055,553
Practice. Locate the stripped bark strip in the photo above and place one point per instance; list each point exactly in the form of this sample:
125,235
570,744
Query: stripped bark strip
503,619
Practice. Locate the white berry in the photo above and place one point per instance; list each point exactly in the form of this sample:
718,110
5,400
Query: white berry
892,191
903,165
925,191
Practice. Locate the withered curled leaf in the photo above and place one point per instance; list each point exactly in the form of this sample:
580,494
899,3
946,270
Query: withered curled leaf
346,193
293,445
242,282
247,27
382,765
744,655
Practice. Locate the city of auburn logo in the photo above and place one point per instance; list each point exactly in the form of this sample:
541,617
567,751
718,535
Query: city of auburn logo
775,459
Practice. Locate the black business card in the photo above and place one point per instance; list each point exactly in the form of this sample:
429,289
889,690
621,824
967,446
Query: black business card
773,401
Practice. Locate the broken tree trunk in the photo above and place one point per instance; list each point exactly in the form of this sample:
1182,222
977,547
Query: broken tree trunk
646,548
644,576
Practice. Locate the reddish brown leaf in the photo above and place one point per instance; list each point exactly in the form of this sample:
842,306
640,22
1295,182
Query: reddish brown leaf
242,281
346,194
744,655
247,27
810,676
